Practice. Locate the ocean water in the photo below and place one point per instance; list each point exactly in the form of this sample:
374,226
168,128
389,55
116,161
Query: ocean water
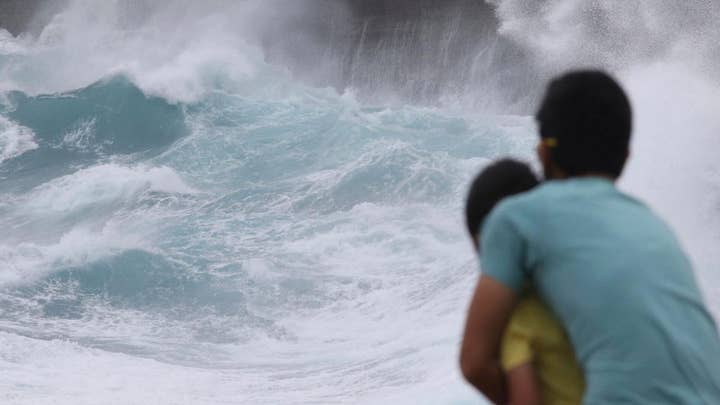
184,223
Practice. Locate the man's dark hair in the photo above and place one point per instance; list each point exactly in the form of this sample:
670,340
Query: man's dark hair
501,179
585,119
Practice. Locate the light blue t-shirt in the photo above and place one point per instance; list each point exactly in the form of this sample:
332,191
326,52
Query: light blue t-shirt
616,277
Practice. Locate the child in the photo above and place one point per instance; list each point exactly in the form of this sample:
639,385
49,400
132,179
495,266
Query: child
536,355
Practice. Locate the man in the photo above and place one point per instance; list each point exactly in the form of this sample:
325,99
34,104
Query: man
610,270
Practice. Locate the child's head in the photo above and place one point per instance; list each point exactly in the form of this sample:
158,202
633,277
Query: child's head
501,179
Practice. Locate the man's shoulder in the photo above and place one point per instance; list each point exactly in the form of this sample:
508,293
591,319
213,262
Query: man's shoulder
520,205
555,202
553,195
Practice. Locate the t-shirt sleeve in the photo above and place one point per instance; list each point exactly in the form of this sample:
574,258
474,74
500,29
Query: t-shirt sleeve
516,346
502,250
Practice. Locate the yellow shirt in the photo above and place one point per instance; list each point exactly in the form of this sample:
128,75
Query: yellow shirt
534,335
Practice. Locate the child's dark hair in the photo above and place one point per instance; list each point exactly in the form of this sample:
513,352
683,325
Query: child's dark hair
586,119
501,179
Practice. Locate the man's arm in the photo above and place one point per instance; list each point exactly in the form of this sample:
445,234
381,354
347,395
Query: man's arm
488,315
523,388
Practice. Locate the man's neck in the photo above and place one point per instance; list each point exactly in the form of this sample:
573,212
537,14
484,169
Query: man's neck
559,175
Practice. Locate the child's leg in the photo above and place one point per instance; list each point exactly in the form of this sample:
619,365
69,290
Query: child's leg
523,388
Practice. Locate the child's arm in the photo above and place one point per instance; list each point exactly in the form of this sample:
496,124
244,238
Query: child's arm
522,385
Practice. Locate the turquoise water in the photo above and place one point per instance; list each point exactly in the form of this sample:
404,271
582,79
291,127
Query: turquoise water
294,239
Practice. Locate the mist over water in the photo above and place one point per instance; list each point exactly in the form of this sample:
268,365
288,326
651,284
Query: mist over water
665,53
260,202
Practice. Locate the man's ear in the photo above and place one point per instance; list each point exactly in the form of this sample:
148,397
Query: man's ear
543,154
550,169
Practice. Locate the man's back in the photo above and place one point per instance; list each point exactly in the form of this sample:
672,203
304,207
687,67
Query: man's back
619,282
